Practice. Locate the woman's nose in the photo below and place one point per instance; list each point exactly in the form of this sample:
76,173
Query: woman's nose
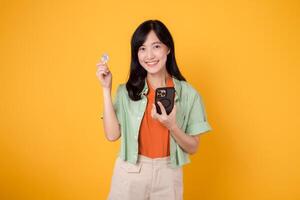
149,55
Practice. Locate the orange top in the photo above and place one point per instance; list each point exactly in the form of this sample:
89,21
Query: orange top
154,137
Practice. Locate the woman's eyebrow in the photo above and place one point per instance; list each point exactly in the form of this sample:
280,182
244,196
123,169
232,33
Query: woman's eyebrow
157,42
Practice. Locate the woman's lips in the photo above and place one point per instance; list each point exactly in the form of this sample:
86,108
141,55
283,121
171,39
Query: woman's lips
152,63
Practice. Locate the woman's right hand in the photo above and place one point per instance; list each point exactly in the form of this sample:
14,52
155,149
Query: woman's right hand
104,75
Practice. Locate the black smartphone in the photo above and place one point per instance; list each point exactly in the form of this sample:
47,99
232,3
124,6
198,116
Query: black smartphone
166,96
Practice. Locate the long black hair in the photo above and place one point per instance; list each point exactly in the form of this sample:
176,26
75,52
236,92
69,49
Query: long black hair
136,81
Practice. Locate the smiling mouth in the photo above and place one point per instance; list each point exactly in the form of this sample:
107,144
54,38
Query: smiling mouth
152,63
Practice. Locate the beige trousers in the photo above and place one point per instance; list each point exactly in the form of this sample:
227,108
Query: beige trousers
149,179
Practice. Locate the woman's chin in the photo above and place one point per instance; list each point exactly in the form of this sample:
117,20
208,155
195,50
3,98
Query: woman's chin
154,70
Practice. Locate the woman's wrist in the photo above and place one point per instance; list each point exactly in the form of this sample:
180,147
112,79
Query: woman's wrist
106,90
107,94
173,127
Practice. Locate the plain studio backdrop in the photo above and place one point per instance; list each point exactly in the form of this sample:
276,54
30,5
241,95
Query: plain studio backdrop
242,56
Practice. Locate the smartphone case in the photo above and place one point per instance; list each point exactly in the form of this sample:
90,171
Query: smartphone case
166,96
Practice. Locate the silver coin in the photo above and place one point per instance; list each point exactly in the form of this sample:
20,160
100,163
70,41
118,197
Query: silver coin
104,58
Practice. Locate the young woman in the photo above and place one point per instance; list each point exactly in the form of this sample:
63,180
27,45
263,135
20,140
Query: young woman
154,147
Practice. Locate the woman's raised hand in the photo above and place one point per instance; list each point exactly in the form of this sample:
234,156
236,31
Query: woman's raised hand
104,75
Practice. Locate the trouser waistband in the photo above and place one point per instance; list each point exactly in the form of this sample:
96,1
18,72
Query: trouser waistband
162,160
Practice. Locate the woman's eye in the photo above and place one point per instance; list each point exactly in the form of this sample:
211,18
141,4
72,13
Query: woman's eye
157,46
142,49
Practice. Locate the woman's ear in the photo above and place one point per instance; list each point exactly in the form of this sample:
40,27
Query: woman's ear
168,51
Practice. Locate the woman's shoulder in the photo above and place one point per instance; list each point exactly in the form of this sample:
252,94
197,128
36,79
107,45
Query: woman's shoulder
187,88
121,88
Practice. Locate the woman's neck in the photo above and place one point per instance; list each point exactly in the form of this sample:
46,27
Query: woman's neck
158,80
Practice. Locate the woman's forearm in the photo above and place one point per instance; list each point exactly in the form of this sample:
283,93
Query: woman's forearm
188,143
111,124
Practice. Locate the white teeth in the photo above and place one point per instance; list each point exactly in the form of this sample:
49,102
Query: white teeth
151,63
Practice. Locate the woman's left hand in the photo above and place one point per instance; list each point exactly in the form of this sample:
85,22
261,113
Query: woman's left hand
168,121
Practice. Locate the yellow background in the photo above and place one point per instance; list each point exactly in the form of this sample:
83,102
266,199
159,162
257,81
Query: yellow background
242,56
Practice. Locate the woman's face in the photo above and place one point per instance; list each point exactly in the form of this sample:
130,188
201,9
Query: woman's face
153,54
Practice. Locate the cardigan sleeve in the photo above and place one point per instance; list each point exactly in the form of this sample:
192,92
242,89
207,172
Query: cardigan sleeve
197,119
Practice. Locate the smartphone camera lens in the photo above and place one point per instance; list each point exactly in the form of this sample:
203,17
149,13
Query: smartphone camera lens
161,93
